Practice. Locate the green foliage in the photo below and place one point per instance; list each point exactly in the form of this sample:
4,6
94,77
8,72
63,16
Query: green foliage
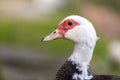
29,33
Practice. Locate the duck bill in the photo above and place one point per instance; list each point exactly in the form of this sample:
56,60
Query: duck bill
54,35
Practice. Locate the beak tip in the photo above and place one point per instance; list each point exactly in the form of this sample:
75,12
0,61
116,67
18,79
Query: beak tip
50,37
45,39
42,40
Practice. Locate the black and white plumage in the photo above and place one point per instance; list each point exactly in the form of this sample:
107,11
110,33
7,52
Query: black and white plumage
68,69
80,31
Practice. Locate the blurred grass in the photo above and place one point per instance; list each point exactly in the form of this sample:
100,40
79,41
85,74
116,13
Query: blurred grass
29,33
102,60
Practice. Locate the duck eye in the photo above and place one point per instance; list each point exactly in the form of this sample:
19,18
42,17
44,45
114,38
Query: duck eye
70,23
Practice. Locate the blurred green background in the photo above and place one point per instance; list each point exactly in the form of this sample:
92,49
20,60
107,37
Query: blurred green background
23,23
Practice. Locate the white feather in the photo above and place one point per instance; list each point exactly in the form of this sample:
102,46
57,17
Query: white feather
84,36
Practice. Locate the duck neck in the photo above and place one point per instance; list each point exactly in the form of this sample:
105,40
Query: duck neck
81,57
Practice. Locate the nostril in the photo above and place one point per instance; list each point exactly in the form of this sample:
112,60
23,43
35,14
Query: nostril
54,32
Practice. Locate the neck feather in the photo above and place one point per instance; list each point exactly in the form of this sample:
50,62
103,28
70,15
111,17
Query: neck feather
81,56
82,53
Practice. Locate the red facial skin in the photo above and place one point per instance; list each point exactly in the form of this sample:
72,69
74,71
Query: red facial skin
66,25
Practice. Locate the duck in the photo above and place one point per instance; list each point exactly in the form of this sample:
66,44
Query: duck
82,33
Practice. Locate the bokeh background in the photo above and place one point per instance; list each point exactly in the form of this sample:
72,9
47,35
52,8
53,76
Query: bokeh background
23,23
